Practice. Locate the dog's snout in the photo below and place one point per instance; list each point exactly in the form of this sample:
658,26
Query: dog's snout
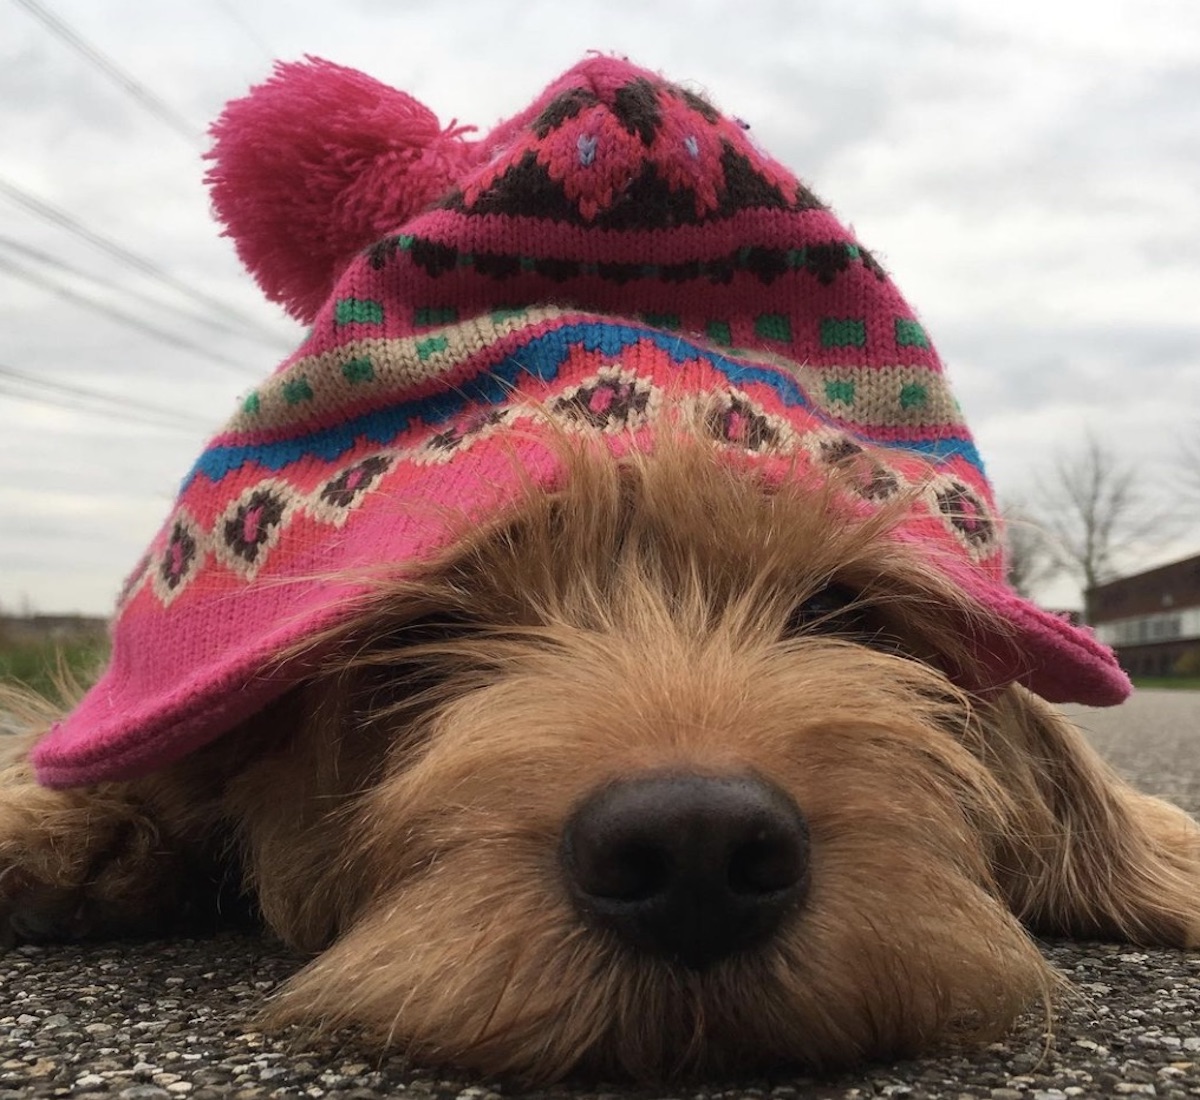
689,867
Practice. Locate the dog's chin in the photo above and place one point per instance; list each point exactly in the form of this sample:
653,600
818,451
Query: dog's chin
514,984
471,950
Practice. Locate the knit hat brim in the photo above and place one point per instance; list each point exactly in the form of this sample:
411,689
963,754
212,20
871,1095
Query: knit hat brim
390,491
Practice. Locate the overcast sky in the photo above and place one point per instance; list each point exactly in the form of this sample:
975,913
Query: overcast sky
1029,172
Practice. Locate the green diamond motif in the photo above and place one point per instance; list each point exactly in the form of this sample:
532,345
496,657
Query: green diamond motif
426,348
719,332
839,391
662,320
358,370
251,403
433,316
913,395
773,326
358,311
910,334
843,332
296,390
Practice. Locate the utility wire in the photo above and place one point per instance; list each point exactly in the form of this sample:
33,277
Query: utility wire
29,275
235,16
52,261
78,405
125,419
148,100
18,383
130,259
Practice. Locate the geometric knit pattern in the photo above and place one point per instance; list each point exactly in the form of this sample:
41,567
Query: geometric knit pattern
614,398
620,258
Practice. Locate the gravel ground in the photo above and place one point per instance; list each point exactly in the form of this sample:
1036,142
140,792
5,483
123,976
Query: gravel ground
176,1019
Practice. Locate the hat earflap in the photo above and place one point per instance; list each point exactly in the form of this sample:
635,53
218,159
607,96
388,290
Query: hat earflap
316,163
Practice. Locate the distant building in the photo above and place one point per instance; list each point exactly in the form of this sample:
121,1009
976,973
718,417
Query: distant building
1152,619
55,628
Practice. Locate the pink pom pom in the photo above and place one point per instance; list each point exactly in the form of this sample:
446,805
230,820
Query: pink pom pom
315,164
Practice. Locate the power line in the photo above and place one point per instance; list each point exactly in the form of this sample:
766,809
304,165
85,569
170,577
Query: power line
52,261
80,406
119,252
121,403
28,275
146,98
16,394
235,16
17,383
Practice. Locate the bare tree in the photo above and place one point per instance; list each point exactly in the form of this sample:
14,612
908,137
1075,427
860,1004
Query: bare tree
1030,558
1095,512
1189,463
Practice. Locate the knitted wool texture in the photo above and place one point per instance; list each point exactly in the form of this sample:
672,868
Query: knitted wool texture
617,252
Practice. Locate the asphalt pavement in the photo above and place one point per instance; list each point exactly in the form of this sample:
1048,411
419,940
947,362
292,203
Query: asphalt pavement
176,1019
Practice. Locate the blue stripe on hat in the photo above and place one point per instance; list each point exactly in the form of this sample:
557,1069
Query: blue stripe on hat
541,357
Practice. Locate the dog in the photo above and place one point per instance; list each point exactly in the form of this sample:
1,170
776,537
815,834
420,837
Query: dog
702,738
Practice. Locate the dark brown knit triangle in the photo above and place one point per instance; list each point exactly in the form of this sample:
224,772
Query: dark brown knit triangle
636,106
562,108
696,102
526,189
650,203
745,189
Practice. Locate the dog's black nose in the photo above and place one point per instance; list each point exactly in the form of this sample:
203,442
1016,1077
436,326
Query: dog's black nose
689,867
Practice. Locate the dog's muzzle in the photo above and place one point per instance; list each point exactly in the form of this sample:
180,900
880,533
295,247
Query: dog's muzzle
691,868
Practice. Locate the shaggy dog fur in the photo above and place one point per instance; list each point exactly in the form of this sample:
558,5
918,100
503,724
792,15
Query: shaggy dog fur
401,816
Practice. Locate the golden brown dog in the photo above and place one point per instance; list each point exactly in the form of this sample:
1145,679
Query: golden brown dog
659,772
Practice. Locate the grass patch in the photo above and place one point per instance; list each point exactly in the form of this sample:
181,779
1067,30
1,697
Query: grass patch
1176,683
36,663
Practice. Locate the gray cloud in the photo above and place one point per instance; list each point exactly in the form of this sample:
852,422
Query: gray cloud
1028,175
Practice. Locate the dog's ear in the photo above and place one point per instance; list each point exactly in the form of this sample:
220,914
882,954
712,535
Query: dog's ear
315,164
1086,855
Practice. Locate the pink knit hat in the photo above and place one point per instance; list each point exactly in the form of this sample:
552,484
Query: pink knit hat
615,249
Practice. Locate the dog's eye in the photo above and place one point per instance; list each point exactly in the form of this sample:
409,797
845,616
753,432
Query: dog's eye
403,662
403,674
832,610
431,629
